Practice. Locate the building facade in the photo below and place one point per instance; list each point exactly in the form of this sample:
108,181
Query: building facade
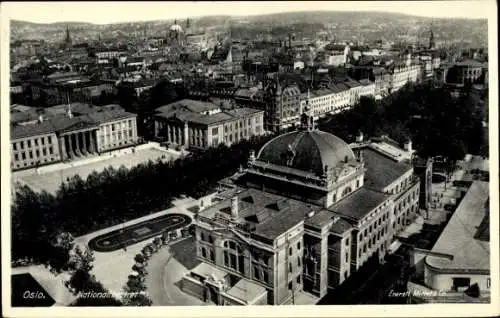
64,137
194,124
306,213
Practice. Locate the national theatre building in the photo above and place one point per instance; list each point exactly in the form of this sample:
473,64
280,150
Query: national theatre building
307,212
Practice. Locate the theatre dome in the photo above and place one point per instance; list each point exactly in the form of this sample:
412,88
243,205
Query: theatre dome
308,151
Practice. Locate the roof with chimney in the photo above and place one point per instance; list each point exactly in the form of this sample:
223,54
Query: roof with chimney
269,215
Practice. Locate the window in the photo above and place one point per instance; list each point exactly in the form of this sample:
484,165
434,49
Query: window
31,154
298,262
51,151
22,144
37,152
16,157
290,268
44,151
290,286
29,143
202,236
256,273
203,252
212,256
266,277
210,239
233,256
298,279
290,251
298,245
36,142
14,145
346,257
215,131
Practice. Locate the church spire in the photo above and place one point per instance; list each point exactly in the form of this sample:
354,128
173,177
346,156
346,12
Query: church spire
431,40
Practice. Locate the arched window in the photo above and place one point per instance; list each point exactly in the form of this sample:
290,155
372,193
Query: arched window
233,256
202,236
346,191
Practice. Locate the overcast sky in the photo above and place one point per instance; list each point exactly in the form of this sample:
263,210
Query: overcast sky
111,12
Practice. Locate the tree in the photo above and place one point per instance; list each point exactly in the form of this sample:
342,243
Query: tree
82,260
135,285
137,299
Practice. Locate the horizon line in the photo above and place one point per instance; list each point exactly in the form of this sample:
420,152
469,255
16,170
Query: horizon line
239,15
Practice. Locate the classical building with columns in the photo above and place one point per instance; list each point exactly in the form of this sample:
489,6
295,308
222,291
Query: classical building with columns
62,137
195,124
307,212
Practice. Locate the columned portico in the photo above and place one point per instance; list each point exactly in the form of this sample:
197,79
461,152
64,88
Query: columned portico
78,143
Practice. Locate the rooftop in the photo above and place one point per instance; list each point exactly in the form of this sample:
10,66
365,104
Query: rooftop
320,219
246,290
459,238
308,151
61,123
270,214
359,203
381,170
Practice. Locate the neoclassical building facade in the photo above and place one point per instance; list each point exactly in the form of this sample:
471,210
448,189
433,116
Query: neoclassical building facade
66,137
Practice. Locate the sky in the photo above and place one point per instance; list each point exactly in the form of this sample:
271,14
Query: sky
113,12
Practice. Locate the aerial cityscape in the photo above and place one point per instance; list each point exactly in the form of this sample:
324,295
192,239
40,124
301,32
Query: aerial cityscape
298,158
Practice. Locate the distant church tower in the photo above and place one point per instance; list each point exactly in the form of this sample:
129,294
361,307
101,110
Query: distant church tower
67,41
432,44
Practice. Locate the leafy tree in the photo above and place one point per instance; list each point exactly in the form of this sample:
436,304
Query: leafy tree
137,299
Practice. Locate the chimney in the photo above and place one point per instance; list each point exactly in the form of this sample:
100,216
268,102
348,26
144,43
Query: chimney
234,207
408,145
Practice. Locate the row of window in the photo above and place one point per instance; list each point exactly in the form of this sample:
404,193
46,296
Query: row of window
36,142
373,241
119,126
373,226
406,201
26,164
118,135
33,154
114,144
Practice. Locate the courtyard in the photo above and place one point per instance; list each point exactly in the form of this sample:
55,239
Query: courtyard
51,181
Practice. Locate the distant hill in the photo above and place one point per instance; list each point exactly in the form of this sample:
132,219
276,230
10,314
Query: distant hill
365,26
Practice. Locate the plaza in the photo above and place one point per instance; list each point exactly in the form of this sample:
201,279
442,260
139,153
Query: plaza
51,179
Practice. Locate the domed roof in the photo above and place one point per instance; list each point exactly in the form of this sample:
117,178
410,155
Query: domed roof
176,28
308,151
